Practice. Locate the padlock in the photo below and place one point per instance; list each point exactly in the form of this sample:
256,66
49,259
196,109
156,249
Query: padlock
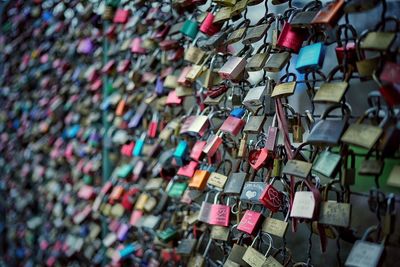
235,182
286,88
205,209
199,260
194,54
272,134
346,53
219,213
208,26
277,61
223,14
136,46
298,130
235,256
250,222
333,92
190,28
199,179
251,192
238,32
255,258
274,226
235,65
258,60
217,180
137,151
380,40
297,168
371,167
330,14
121,16
176,189
153,126
311,57
365,253
180,153
232,125
305,203
254,124
255,96
291,39
365,66
271,198
333,212
197,150
327,163
303,18
258,31
242,151
388,84
364,135
213,143
323,134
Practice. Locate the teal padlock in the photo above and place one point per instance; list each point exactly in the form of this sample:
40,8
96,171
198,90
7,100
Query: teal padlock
311,57
167,234
113,3
180,153
176,190
137,151
127,250
190,28
124,171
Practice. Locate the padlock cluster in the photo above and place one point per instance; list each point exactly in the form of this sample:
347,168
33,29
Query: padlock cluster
151,133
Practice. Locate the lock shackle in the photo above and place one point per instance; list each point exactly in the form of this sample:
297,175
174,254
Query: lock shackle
347,72
287,76
329,187
368,232
245,23
246,51
341,29
266,47
380,26
314,37
223,162
374,98
312,6
287,106
361,56
300,147
288,253
216,197
270,243
289,13
346,109
269,18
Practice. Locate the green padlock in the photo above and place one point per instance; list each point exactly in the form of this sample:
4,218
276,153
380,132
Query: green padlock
167,234
190,28
177,189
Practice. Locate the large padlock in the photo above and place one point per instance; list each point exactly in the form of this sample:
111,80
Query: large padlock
235,65
271,198
311,57
365,253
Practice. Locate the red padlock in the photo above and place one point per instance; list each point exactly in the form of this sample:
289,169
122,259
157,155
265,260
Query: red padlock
259,157
219,213
232,125
250,222
271,198
173,99
348,47
291,38
208,27
213,143
121,16
188,170
136,46
127,149
153,125
197,150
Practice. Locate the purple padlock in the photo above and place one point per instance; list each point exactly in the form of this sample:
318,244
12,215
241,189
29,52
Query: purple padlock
122,231
135,121
85,46
159,87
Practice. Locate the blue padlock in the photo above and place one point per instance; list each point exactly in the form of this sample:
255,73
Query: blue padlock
180,153
127,250
238,112
311,57
137,151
